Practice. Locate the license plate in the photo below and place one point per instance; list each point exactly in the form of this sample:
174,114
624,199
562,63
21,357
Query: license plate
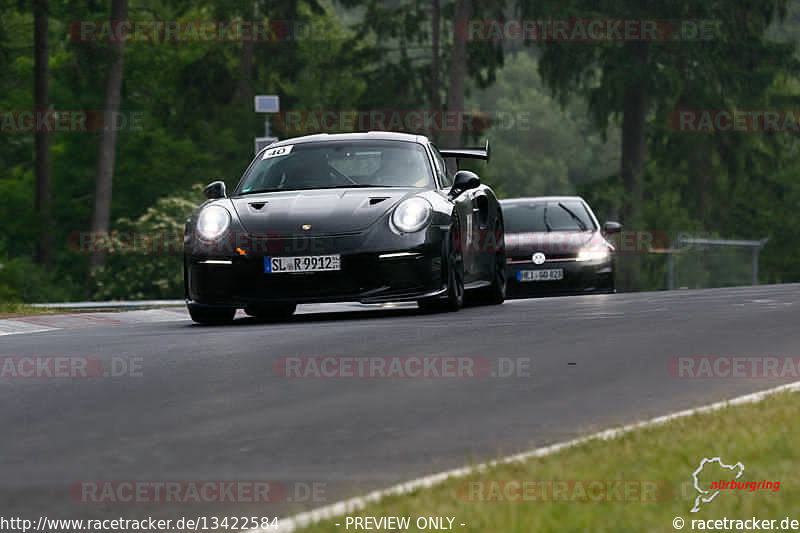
551,274
302,263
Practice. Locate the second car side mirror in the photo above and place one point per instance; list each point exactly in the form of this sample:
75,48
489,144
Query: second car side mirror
463,181
214,190
612,227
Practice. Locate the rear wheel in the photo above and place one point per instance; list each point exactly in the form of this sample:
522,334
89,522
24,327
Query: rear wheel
211,315
454,269
495,293
271,311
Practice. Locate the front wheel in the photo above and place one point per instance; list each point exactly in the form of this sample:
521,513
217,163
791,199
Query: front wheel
211,315
454,268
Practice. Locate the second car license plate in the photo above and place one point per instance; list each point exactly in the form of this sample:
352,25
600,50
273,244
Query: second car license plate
551,274
302,263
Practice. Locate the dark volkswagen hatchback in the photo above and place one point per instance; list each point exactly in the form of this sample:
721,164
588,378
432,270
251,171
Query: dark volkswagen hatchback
554,245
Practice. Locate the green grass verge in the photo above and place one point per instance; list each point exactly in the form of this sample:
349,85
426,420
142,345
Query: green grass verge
763,436
12,309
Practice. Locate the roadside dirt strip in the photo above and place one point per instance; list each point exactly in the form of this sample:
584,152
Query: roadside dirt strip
40,323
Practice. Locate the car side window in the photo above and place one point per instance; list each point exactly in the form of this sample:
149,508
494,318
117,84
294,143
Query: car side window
441,168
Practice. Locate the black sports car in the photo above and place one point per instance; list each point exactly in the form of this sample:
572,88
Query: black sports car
369,217
556,246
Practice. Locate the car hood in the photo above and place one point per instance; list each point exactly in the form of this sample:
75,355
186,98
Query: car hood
325,211
552,243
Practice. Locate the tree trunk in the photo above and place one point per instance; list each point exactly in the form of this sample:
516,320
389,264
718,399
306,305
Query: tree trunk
436,100
244,85
634,146
458,72
634,149
43,200
244,89
106,149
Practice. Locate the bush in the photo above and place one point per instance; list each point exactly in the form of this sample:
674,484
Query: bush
22,280
153,267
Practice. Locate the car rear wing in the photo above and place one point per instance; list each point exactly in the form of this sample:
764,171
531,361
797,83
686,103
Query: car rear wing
468,153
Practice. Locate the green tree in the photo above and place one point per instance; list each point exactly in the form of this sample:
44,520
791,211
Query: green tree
538,147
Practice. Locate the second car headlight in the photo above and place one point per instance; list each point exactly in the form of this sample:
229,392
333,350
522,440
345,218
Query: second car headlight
593,254
213,222
411,215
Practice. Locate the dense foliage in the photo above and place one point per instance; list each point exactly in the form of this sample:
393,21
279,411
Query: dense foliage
556,118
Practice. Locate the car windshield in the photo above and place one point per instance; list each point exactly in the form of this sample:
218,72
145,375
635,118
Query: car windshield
551,215
334,164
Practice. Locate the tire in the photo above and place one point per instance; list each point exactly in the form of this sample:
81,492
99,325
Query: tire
211,315
271,312
453,258
612,289
495,294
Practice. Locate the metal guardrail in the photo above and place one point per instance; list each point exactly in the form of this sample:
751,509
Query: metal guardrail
683,240
122,304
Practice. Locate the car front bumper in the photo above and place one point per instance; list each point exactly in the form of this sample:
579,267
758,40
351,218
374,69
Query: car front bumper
367,277
579,278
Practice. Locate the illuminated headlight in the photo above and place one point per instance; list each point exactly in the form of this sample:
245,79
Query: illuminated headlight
593,254
213,222
411,215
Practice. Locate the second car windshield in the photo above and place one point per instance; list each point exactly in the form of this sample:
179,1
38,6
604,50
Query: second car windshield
555,215
332,164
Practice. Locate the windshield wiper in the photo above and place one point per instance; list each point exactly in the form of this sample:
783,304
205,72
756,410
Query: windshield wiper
577,219
351,186
546,223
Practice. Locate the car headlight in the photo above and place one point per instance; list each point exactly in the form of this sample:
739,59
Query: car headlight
213,222
593,254
411,215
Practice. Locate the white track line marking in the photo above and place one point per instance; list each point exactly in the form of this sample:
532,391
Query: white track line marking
14,327
288,525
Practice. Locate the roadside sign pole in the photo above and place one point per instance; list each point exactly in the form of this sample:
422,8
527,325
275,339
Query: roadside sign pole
265,103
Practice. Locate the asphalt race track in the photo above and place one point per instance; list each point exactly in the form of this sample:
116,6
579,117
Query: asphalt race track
205,403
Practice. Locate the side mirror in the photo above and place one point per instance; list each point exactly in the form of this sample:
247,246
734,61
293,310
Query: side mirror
463,181
214,190
612,227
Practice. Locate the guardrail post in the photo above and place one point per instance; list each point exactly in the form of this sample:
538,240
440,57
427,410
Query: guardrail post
670,271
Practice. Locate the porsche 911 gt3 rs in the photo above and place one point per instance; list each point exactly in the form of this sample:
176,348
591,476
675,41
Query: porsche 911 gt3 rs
368,217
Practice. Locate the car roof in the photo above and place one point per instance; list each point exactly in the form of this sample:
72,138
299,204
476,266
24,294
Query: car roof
361,136
535,199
